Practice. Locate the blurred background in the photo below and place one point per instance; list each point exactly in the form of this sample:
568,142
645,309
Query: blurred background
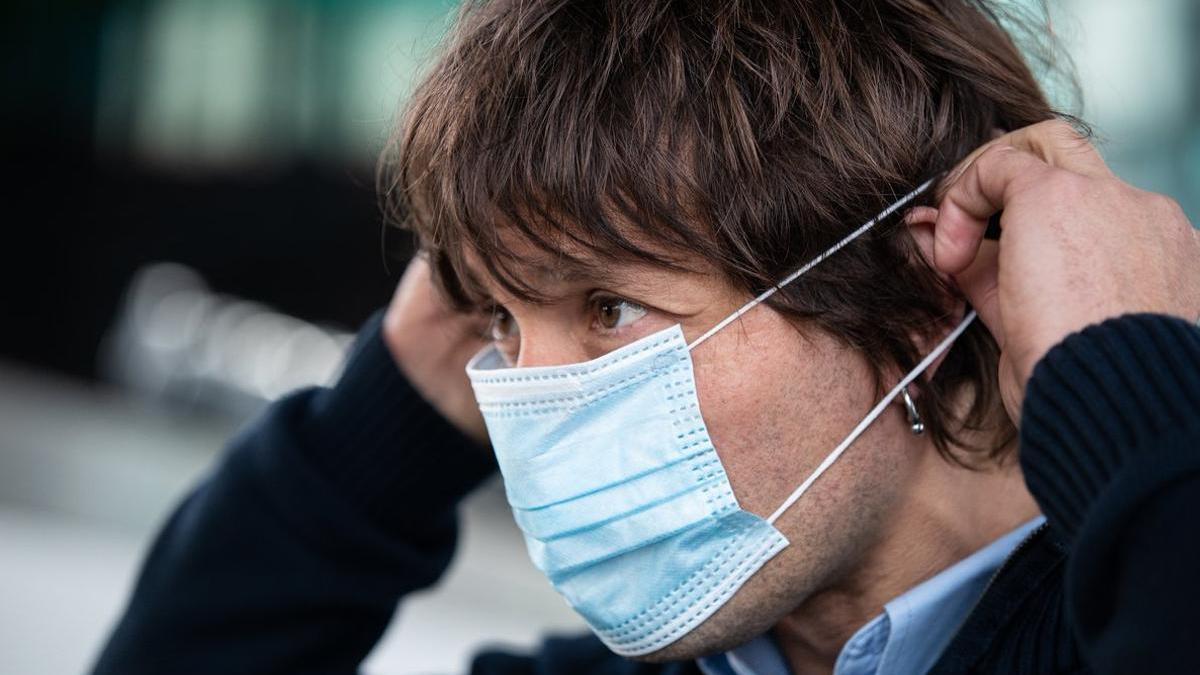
190,230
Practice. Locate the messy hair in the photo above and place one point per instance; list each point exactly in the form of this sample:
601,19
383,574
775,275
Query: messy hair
751,134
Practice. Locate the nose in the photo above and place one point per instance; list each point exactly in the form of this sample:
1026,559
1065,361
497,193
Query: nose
548,346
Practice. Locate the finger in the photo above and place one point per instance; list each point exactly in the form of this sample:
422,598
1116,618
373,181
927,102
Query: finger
982,190
1058,144
1055,142
980,283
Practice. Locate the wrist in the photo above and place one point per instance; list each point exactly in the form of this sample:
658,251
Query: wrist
1109,396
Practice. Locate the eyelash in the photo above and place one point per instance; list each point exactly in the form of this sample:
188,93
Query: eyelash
594,303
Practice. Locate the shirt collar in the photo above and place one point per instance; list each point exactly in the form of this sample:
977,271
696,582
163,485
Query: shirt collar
910,634
925,618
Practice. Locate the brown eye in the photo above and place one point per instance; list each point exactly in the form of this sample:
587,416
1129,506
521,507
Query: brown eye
613,313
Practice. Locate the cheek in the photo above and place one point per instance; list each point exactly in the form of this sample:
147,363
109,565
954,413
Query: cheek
775,405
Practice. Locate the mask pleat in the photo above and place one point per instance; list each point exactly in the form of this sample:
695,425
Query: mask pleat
576,518
620,536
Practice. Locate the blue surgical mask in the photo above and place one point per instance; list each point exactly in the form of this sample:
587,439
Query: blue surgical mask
615,483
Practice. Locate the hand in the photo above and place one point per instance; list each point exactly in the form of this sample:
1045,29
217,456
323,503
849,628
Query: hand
1078,246
432,343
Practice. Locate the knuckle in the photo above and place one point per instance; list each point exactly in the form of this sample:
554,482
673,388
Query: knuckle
1156,203
1168,217
1168,206
1004,158
995,152
1065,129
1066,185
1059,130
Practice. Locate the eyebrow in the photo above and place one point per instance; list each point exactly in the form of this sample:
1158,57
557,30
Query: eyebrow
574,271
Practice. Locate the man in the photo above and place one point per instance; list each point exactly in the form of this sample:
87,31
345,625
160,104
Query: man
593,174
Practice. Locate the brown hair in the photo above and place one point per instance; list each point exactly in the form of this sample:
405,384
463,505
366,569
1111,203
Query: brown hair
752,133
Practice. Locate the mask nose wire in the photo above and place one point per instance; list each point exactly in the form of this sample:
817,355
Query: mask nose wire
813,263
871,416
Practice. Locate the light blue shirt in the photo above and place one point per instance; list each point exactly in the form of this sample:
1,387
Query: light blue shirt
910,634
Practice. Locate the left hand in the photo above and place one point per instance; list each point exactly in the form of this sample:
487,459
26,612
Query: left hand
432,343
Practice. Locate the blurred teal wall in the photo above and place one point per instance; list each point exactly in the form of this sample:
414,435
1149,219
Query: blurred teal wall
219,82
1138,63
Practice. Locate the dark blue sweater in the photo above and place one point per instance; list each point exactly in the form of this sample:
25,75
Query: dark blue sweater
291,556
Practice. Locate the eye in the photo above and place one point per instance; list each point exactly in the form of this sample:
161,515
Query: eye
504,333
502,326
614,313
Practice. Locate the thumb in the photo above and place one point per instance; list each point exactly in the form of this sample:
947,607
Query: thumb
980,283
1012,390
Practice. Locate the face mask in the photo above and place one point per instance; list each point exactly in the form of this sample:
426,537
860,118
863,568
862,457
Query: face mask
614,481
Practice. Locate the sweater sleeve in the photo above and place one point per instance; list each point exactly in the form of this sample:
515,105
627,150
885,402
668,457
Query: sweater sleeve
1110,447
291,555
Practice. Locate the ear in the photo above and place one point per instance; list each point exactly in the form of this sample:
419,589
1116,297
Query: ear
920,221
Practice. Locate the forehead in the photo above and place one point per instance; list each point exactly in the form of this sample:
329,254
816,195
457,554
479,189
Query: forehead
537,271
561,252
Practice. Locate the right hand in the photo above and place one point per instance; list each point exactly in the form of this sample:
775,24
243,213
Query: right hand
432,343
1079,246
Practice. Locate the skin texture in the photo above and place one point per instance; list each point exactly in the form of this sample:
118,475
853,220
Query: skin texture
1079,245
778,397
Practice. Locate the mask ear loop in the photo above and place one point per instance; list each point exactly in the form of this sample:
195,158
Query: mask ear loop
882,405
871,416
814,262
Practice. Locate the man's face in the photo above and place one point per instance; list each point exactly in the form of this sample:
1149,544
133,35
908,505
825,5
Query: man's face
776,399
